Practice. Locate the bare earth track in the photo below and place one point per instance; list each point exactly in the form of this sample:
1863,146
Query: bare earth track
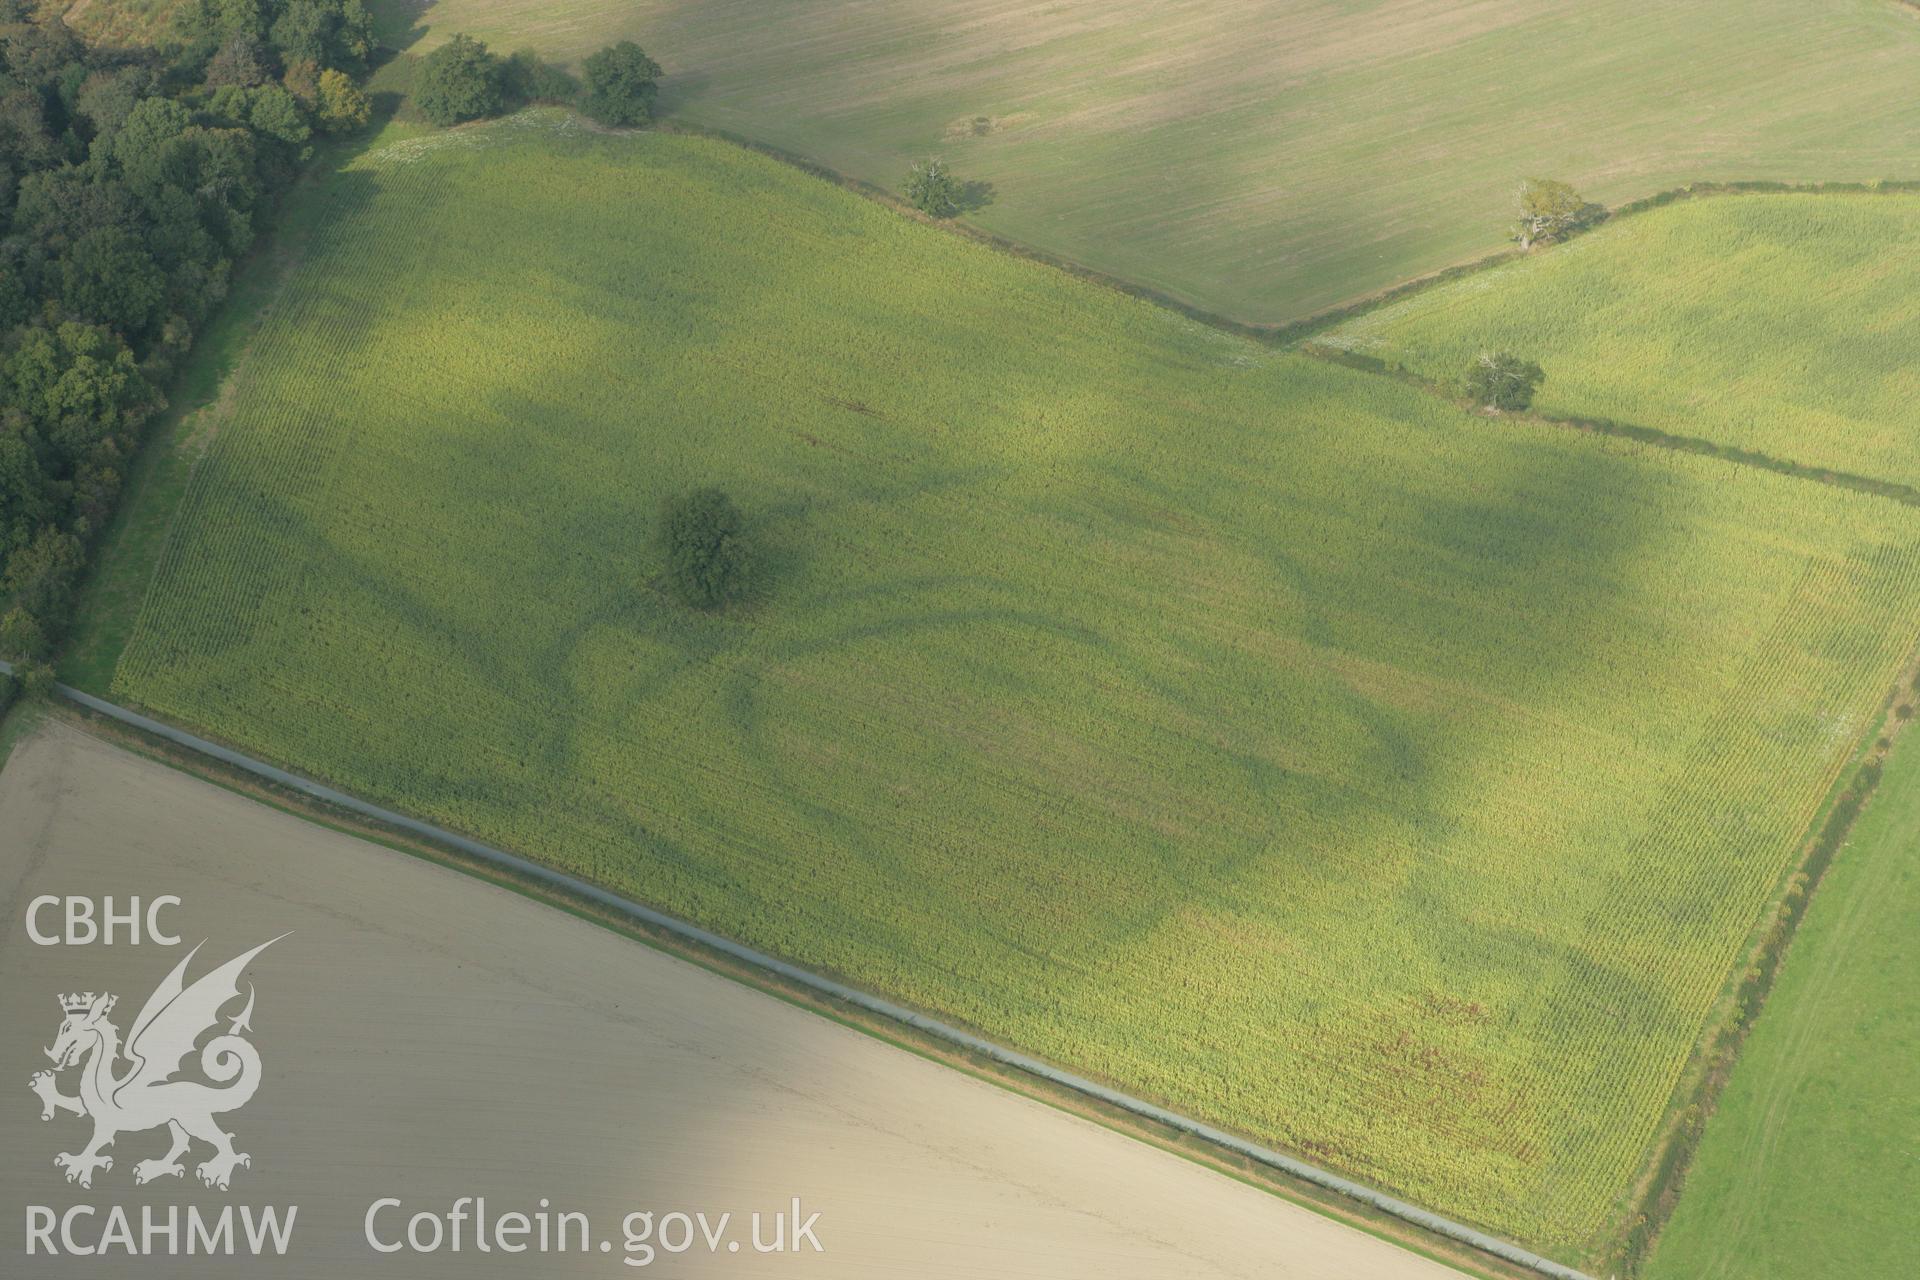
427,1036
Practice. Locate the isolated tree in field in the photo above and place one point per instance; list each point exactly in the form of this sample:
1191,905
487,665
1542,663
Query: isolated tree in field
620,85
1548,211
707,552
1502,380
932,188
459,81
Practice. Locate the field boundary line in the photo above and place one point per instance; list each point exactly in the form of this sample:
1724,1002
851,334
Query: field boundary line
1891,490
1289,333
1423,1218
1296,332
955,226
1749,985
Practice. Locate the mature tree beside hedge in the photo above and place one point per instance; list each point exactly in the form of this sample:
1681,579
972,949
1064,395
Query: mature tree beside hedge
707,553
1549,210
1502,380
620,85
932,188
459,81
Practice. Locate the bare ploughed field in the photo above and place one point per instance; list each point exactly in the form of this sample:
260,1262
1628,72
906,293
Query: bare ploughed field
426,1036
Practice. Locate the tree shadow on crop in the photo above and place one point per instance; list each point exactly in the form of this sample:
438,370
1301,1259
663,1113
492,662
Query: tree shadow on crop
974,196
680,89
398,27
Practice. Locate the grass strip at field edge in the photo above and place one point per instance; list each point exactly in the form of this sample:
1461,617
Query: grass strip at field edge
1751,983
1867,885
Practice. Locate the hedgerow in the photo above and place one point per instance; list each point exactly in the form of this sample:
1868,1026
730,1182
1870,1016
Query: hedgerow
1771,324
1389,783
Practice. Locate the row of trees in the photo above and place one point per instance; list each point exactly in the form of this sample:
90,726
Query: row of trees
462,80
130,180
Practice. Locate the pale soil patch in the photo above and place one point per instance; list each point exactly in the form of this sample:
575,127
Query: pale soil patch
429,1036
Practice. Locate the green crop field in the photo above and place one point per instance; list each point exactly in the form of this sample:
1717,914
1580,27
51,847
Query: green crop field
1269,158
1782,324
1809,1166
1270,738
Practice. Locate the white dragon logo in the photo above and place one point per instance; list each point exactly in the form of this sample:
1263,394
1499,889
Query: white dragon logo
145,1095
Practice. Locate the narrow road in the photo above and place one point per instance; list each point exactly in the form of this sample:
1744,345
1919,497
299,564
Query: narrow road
426,1036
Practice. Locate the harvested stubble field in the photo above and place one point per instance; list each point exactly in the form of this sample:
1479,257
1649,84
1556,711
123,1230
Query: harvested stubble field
1270,158
1262,736
1781,324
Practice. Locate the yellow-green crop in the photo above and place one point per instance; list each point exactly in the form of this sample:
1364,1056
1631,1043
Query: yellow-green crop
1270,739
1781,324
